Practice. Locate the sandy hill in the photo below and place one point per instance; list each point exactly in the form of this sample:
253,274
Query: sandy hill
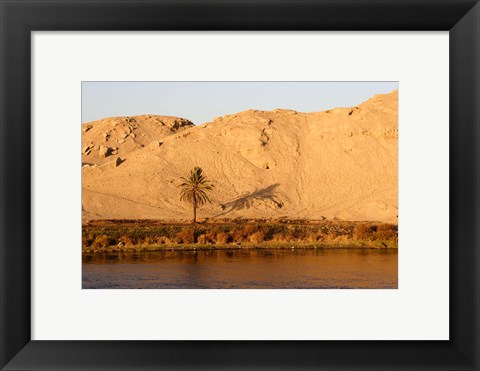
122,135
341,163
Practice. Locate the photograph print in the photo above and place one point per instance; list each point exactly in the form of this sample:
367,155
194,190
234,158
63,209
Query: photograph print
239,185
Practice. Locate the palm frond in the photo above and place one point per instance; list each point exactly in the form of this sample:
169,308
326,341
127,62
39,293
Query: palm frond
193,188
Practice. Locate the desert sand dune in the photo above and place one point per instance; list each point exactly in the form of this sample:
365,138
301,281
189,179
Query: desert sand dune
341,163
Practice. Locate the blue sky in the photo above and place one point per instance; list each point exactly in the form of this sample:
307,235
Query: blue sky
202,101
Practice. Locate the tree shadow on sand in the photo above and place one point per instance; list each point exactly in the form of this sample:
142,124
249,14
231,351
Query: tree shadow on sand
247,201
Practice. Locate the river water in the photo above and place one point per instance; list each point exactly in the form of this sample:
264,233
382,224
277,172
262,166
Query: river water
243,269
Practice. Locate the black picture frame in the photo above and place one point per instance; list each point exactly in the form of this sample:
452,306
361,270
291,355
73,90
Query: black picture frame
18,18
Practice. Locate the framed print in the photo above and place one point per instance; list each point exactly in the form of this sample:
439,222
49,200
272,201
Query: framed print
261,218
248,185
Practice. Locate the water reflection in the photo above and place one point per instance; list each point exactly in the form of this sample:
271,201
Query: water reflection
272,269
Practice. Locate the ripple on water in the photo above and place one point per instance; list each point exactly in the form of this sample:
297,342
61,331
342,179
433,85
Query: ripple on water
243,269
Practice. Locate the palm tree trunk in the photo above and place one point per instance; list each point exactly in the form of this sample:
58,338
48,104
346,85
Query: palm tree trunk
194,211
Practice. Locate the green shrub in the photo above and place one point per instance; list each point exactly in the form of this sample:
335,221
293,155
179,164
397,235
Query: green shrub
126,240
387,227
103,241
313,236
242,232
223,238
280,237
364,231
210,236
385,235
257,237
185,236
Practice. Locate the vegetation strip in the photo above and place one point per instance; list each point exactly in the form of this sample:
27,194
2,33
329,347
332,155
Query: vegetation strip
110,236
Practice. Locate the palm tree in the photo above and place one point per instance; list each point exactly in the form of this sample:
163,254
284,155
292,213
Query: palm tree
194,189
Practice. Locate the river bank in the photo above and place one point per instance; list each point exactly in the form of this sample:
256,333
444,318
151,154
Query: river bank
154,235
